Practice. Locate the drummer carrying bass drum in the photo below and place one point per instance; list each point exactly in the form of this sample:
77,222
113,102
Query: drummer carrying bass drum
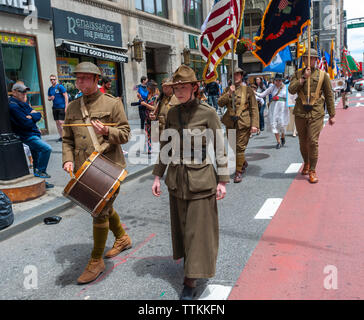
78,146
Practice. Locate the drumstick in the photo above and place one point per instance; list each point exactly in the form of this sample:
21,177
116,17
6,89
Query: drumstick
87,124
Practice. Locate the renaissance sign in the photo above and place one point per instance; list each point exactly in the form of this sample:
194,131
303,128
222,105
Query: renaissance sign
80,28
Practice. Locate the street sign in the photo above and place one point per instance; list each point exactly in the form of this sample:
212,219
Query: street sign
356,25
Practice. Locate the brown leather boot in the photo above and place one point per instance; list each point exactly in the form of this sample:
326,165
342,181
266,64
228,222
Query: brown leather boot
306,168
312,176
120,244
238,177
93,269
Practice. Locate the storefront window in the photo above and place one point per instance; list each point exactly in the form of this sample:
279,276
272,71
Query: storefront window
67,62
20,62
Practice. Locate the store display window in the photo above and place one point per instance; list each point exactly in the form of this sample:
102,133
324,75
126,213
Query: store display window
21,64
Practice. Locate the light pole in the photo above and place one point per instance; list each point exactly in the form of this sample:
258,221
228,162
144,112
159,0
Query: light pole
13,163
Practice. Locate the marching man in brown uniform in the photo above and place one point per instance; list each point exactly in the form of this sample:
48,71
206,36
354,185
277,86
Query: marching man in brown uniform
309,115
78,146
163,105
192,181
243,117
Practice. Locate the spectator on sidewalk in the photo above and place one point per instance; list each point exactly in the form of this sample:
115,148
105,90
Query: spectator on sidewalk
58,94
142,95
23,120
212,89
105,85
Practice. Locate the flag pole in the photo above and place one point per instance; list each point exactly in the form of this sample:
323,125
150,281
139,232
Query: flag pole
309,62
232,72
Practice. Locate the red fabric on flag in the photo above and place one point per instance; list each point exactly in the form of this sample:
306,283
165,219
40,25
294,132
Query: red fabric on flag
222,26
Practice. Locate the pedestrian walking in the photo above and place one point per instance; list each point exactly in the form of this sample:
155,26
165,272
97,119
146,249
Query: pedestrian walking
309,115
243,117
278,113
58,94
193,185
212,89
150,105
142,95
78,146
346,91
261,88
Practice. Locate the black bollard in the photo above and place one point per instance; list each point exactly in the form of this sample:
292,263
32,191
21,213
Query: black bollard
13,163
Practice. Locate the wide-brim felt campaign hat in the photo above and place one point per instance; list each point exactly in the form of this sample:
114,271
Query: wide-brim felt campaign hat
313,53
183,75
278,76
87,67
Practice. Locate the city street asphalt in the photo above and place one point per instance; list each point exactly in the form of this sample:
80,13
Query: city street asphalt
58,253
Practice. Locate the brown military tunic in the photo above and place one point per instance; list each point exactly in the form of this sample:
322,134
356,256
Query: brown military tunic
77,144
192,187
247,117
309,124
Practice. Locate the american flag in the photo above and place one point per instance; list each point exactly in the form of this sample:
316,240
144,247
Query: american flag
321,64
221,26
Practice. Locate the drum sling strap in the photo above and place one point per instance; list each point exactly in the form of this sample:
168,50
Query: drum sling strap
317,93
91,131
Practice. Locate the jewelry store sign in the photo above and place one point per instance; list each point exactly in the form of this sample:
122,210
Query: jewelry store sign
95,52
80,28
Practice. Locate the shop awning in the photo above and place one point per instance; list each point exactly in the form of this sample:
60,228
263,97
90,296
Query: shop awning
86,50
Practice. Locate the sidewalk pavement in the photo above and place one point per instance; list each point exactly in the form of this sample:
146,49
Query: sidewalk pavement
30,213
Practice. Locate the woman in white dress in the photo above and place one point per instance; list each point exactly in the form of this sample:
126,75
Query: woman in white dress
278,113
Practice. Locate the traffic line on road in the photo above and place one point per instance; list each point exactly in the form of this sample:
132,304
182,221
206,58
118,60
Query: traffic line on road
215,292
269,208
294,168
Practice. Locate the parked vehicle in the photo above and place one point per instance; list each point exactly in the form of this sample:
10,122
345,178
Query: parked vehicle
359,85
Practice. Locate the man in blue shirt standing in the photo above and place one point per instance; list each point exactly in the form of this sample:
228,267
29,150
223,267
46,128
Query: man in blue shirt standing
58,94
23,121
142,95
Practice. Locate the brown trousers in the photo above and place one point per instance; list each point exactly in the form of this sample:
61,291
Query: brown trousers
242,140
195,235
309,132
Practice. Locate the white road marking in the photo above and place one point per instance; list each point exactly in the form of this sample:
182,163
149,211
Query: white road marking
269,208
358,95
216,292
294,168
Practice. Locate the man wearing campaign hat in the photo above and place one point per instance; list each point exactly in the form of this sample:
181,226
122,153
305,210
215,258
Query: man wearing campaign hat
243,117
78,146
310,111
23,121
193,184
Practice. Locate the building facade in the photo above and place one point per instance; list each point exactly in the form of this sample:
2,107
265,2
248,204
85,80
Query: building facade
127,39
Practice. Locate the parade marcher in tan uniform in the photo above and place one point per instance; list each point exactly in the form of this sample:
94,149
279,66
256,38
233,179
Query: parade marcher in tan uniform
192,181
163,106
244,118
78,146
309,116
